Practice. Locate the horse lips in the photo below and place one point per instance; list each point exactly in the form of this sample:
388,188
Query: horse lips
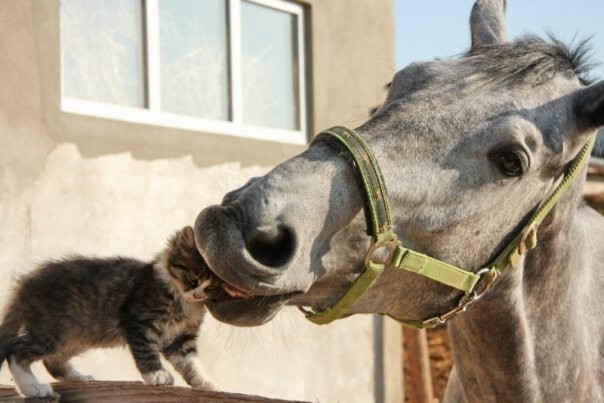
233,292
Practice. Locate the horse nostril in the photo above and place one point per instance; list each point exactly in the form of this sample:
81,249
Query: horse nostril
273,246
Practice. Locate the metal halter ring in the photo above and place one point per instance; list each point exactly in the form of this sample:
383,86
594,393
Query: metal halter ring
376,249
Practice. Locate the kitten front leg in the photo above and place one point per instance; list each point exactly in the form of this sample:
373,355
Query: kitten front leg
192,371
146,356
182,354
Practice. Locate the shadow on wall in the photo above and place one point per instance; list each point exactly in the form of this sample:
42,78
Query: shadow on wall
118,205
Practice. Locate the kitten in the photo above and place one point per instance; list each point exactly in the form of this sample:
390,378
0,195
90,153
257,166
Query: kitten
67,307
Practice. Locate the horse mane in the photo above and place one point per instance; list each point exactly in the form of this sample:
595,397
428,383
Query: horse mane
534,60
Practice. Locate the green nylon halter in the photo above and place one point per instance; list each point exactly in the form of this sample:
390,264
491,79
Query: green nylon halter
383,238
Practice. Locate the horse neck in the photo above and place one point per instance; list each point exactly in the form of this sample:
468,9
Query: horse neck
498,345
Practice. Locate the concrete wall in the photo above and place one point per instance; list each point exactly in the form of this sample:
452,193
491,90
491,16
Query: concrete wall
78,184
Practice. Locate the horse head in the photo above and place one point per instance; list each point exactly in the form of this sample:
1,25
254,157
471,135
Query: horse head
468,148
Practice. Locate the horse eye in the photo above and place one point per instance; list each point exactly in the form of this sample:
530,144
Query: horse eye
512,161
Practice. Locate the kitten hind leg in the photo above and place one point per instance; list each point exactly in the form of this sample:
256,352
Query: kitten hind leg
26,381
60,368
24,353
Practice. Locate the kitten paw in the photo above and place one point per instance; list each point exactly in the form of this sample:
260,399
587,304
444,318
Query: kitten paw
26,381
75,375
37,390
78,377
207,385
160,377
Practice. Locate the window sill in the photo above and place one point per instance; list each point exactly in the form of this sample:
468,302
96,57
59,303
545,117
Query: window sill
164,119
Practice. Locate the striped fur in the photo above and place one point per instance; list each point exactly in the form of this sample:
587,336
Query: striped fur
69,306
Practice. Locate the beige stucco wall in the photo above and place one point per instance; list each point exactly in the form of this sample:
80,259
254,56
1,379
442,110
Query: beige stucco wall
351,59
77,184
116,204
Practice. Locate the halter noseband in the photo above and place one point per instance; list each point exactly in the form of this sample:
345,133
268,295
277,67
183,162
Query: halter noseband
383,238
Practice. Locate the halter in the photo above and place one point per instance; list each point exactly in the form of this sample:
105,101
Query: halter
384,241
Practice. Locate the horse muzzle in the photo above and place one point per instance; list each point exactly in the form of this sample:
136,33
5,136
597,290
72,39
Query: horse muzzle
254,260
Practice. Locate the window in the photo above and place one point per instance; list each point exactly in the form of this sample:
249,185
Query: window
225,66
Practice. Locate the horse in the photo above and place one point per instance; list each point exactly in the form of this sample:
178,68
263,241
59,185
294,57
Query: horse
469,149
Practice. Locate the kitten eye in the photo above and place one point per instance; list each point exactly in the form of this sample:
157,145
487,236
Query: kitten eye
192,279
512,161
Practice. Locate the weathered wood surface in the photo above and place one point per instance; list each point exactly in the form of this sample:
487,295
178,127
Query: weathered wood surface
131,392
418,363
596,166
594,187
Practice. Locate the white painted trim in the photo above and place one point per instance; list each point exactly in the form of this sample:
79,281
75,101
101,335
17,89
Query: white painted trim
165,119
302,71
281,5
235,67
152,61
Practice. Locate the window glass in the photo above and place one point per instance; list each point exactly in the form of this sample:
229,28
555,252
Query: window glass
269,54
233,63
102,55
194,58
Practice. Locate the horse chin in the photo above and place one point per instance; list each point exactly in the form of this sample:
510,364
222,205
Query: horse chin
247,312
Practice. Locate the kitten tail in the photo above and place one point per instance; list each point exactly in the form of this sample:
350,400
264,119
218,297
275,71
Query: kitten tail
9,331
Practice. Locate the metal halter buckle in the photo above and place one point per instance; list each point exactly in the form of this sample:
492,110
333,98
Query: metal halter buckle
465,301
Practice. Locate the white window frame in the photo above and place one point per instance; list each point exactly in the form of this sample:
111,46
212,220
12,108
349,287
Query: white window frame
152,113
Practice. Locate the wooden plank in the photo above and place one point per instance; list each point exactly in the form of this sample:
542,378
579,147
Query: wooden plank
9,394
132,392
418,362
596,166
393,363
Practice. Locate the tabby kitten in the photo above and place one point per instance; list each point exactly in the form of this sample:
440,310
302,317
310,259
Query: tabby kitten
67,307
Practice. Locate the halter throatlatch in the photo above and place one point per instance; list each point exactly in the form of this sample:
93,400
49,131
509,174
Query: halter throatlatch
386,251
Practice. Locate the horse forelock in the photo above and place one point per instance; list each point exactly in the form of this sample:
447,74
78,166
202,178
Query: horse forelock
533,60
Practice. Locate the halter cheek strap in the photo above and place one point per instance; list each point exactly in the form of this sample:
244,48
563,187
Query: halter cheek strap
384,241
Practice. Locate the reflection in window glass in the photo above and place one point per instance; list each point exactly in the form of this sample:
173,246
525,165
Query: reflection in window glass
102,51
268,58
194,69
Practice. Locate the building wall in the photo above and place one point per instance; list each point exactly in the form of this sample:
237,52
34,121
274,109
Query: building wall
79,184
351,58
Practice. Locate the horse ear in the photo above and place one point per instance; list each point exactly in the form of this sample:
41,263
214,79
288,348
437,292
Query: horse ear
487,23
589,106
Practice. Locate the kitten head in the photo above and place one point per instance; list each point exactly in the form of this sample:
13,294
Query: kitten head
185,267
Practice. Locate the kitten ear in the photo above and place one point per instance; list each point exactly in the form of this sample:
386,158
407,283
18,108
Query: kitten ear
186,237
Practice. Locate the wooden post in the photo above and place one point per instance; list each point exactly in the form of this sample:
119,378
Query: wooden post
418,362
